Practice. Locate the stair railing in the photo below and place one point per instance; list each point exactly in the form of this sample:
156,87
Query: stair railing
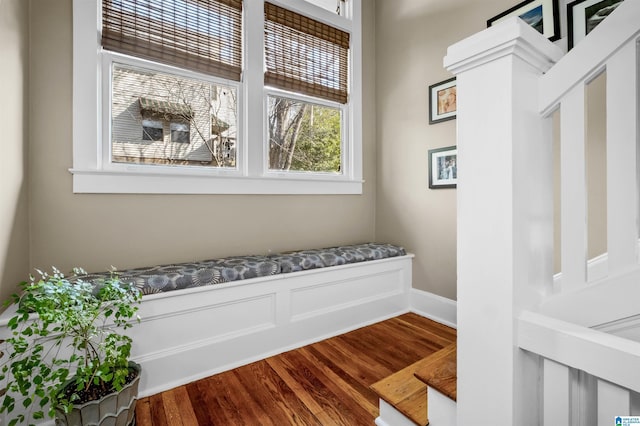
518,333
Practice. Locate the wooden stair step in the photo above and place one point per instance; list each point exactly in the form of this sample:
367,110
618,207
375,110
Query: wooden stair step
406,390
440,371
405,393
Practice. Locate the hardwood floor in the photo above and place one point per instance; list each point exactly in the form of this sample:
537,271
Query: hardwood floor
325,383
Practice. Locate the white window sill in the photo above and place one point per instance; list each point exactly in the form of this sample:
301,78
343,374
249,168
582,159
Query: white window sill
127,182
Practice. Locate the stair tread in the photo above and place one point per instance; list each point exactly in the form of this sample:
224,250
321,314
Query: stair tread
440,371
405,393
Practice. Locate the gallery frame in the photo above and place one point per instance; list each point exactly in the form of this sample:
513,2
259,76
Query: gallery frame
443,101
584,15
543,15
443,167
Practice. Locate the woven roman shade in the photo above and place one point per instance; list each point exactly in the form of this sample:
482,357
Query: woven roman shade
200,35
305,56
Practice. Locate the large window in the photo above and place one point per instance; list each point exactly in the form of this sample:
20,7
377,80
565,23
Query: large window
195,96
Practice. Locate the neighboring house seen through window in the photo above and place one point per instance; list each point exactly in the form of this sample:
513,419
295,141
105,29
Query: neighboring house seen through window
184,94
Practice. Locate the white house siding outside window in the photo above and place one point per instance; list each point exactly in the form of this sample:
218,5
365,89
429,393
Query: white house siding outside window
217,96
159,118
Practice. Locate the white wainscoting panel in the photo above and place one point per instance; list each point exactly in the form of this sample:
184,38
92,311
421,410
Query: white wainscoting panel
194,333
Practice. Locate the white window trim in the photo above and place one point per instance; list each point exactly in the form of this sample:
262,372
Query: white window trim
93,172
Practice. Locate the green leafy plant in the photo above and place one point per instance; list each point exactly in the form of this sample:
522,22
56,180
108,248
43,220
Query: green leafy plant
66,345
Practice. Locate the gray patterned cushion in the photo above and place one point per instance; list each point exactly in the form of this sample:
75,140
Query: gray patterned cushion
163,278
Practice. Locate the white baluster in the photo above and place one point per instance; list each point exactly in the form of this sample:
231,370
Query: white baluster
622,136
556,397
573,189
612,401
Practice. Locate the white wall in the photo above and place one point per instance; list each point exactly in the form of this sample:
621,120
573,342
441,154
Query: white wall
14,227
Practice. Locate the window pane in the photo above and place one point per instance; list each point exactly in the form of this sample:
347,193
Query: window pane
336,6
159,118
304,136
152,130
180,132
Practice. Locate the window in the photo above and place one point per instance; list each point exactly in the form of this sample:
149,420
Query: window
218,96
180,132
335,6
152,130
309,58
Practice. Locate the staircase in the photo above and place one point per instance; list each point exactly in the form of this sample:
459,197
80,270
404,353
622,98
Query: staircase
403,395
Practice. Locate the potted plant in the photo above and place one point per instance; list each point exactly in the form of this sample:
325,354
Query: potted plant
67,353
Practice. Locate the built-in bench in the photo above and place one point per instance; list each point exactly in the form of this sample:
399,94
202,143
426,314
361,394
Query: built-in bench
201,318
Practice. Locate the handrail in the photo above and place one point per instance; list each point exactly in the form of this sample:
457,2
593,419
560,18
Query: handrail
602,355
611,297
589,58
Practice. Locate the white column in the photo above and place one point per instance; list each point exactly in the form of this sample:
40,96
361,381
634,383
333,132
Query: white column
505,217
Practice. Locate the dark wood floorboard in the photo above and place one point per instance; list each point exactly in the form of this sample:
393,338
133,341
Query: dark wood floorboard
325,383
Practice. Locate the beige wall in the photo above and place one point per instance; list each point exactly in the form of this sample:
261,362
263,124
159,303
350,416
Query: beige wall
96,231
412,37
14,225
596,172
596,151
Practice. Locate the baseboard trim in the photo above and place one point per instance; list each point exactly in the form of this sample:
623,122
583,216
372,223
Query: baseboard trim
434,307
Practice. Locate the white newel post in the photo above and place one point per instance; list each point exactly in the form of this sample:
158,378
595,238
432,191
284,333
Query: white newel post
505,217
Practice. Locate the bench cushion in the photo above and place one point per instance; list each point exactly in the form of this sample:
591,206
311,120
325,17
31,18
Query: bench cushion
163,278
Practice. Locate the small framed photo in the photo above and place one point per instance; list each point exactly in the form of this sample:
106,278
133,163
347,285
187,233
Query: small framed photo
442,101
543,15
584,15
443,167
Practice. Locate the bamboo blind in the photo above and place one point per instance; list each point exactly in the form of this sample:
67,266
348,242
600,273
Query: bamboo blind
305,56
201,35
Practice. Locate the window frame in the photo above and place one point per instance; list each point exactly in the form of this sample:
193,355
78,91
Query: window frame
93,171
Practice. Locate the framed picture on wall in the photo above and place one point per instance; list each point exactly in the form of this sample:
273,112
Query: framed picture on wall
584,15
443,167
442,101
543,15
